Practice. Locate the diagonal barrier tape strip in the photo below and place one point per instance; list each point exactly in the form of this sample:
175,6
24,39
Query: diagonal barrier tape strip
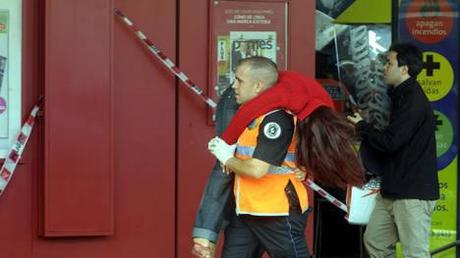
15,152
196,89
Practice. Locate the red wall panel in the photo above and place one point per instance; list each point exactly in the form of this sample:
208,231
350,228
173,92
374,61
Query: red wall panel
194,160
145,125
78,179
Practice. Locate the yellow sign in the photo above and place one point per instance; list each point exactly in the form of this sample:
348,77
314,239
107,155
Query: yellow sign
444,221
437,77
366,11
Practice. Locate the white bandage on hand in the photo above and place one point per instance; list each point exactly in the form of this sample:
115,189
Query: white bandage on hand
221,150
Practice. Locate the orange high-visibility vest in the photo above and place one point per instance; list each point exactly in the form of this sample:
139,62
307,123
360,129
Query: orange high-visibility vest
266,196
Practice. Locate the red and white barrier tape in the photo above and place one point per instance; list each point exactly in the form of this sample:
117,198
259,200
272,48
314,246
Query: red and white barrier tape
165,60
326,195
15,153
192,86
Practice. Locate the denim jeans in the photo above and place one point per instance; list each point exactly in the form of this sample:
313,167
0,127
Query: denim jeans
215,199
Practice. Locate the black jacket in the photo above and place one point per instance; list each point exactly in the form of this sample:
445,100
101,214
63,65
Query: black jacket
407,145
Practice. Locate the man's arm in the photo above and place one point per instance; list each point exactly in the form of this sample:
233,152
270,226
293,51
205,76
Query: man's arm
275,135
250,167
403,123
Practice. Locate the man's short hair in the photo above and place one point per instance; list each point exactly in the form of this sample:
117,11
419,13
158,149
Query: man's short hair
408,54
262,69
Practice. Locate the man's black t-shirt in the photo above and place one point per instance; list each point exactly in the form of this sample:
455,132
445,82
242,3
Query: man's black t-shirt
275,136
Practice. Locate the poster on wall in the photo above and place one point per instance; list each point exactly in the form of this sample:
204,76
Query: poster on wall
244,44
237,46
241,29
10,73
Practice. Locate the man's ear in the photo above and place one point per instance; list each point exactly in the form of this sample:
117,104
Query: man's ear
259,87
404,70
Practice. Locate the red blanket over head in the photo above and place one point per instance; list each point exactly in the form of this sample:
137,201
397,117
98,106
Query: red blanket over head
294,92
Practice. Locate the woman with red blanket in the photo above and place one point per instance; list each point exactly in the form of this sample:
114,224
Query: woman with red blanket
324,137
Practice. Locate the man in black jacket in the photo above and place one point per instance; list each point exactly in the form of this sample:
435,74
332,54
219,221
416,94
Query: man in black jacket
409,184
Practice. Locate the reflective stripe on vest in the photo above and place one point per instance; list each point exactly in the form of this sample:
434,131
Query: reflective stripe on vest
266,196
246,152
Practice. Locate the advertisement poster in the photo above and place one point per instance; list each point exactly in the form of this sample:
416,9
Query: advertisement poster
239,45
251,43
10,73
433,27
4,18
242,29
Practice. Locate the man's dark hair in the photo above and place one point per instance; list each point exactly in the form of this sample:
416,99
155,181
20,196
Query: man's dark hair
408,54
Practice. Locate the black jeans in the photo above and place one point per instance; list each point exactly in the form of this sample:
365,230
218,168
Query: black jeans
280,236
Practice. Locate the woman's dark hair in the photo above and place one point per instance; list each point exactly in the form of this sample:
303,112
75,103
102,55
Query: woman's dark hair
325,149
408,54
